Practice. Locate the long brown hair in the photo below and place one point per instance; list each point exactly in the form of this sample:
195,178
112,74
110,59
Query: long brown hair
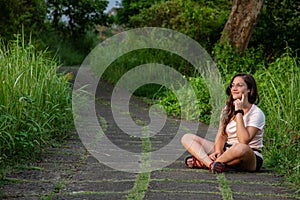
252,96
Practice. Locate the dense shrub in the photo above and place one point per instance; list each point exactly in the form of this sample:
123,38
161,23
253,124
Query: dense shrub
186,108
201,20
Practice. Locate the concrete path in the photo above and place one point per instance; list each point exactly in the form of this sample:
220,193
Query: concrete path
70,172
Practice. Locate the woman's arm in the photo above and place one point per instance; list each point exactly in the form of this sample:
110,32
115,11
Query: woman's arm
244,134
220,139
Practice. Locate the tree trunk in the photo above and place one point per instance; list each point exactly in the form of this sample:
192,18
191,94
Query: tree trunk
241,22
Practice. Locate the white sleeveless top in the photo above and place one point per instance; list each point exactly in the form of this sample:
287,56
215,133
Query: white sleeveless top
254,117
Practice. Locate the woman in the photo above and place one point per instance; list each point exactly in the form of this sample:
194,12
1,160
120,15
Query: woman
239,139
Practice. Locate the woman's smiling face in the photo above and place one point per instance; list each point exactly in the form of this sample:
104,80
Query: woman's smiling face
238,87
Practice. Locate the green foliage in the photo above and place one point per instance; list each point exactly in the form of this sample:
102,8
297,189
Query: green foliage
187,109
69,51
279,86
145,56
158,15
201,20
35,102
278,27
204,21
16,14
230,62
131,8
69,31
71,28
73,18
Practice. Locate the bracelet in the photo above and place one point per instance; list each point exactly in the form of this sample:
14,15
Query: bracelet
239,111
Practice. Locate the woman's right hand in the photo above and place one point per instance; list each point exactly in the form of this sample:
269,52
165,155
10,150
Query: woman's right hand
215,155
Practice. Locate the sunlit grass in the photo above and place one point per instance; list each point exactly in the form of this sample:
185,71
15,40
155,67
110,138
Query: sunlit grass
280,100
35,101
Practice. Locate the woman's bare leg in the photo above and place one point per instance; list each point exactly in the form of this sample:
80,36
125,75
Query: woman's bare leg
200,148
240,156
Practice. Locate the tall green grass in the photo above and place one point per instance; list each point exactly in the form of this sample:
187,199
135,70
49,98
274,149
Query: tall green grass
279,87
35,102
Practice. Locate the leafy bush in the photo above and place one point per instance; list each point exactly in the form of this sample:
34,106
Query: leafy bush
35,102
130,8
186,108
201,20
